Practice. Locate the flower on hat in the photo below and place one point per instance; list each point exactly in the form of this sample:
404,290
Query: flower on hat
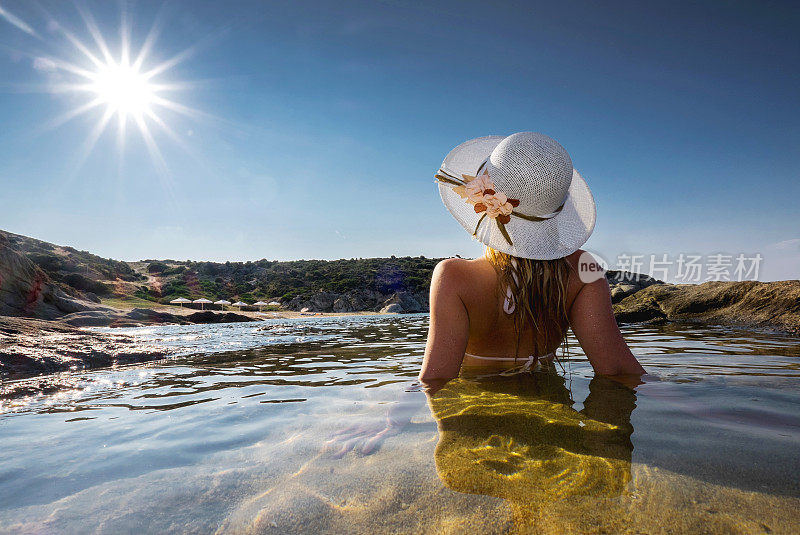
482,194
498,206
478,187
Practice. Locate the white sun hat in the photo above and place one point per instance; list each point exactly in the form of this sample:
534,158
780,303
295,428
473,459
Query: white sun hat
519,195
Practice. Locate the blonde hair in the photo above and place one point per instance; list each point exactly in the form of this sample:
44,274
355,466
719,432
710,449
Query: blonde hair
538,291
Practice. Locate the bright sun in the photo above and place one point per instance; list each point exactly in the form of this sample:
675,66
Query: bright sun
123,89
118,83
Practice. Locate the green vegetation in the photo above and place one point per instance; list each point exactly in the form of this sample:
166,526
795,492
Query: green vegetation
157,267
266,279
160,281
85,284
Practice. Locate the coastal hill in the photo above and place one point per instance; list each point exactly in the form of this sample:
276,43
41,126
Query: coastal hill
364,284
82,285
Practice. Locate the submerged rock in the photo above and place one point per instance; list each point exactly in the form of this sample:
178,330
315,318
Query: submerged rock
209,316
119,318
144,316
31,347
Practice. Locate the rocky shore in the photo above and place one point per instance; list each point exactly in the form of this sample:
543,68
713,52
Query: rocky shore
139,317
770,305
30,347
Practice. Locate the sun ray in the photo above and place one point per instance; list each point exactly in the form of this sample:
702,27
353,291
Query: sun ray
77,43
180,108
170,132
179,86
193,152
158,159
88,146
171,62
163,125
94,31
70,114
149,141
121,84
122,125
149,41
124,37
187,53
74,69
18,22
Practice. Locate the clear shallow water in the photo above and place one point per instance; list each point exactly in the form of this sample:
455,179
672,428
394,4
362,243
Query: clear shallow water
229,436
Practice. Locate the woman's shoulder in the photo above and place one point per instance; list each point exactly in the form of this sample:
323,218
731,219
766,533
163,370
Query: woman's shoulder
463,268
462,273
469,275
577,257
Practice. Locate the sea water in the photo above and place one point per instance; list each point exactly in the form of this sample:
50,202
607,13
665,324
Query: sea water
261,427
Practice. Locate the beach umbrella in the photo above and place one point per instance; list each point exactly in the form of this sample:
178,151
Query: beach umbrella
259,304
202,302
240,305
274,303
179,301
222,303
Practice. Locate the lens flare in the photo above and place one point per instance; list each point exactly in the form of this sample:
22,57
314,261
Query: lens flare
125,85
124,89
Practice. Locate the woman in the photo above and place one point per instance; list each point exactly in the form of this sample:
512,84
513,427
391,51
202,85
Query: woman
521,197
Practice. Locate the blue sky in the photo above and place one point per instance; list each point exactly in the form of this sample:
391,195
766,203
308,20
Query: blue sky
319,125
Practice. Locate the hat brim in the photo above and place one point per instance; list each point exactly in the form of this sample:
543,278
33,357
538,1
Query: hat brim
553,238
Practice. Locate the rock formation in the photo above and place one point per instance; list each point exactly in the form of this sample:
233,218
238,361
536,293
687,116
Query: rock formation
774,305
636,298
25,290
624,283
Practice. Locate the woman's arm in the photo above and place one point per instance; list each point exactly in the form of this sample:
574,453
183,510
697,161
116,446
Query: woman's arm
449,324
592,320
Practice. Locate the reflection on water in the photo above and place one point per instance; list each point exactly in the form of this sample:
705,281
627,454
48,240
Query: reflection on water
519,438
227,436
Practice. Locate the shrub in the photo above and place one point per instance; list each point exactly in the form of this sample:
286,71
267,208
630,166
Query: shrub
157,267
84,284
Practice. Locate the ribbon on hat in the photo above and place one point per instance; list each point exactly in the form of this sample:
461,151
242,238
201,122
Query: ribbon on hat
481,193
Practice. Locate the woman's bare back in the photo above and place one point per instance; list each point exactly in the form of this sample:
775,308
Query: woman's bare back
491,330
467,316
